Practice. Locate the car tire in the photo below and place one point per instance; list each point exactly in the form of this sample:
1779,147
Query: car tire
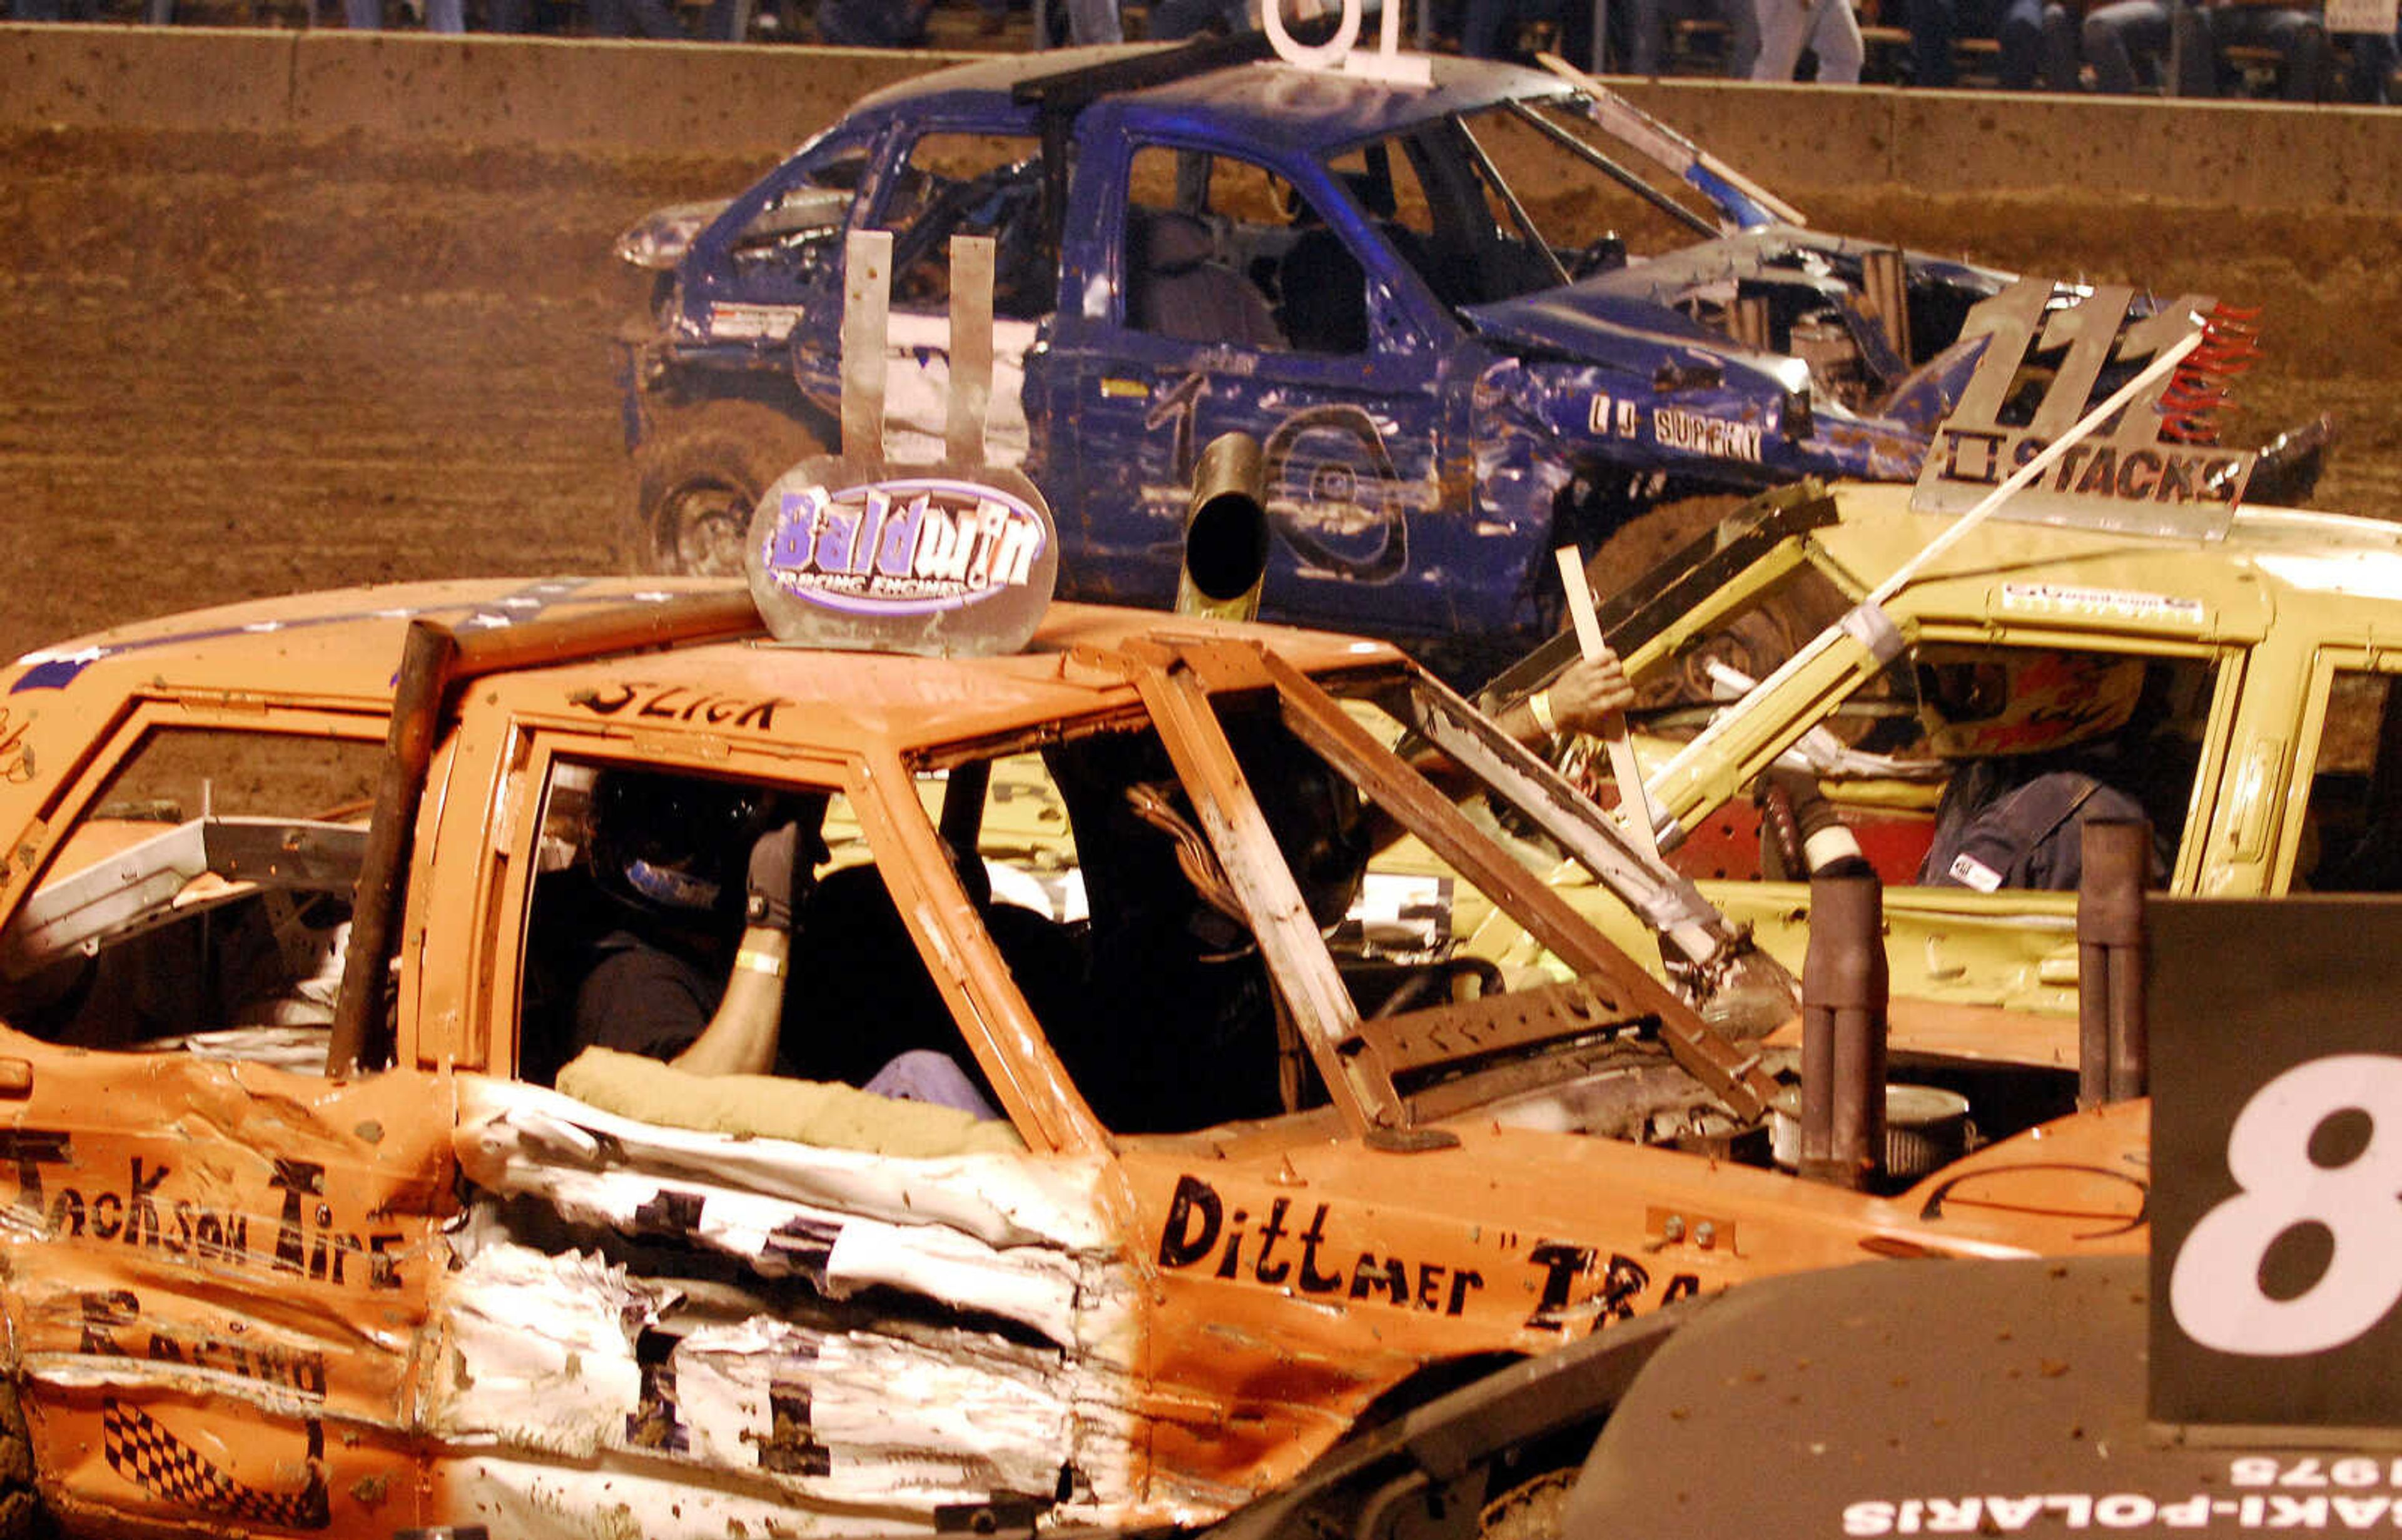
701,477
1529,1511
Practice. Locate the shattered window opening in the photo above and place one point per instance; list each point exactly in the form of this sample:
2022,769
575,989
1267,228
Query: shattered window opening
1564,191
974,185
201,902
2351,839
633,931
796,230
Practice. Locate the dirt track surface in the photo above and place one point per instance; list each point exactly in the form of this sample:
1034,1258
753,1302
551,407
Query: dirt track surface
242,368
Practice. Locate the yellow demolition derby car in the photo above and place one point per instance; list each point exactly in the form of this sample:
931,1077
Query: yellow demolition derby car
2233,683
2115,623
330,1216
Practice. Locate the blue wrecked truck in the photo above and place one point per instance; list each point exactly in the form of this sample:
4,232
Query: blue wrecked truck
1467,322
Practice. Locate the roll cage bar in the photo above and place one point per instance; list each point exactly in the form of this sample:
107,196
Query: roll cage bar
1059,96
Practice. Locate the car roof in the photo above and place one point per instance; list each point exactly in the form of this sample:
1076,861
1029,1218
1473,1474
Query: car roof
341,647
1268,101
2337,573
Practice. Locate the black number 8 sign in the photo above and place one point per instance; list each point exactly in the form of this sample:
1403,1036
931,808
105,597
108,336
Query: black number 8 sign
2216,1287
2276,1179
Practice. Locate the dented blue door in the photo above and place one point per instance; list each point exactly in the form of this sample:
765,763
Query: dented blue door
1304,337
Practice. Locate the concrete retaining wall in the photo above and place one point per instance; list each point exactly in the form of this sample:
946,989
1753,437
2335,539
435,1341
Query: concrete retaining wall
566,94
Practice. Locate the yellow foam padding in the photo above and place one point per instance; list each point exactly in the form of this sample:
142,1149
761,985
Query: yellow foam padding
811,1112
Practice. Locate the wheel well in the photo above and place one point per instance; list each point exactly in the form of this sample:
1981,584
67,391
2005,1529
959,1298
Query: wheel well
1480,1478
680,392
1428,1381
1561,1445
701,474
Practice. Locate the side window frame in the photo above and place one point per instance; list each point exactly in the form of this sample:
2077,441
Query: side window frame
875,210
1010,1044
959,955
146,719
2293,808
2226,662
715,245
499,935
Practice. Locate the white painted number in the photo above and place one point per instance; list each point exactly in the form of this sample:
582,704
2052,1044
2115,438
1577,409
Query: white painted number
1387,62
2215,1289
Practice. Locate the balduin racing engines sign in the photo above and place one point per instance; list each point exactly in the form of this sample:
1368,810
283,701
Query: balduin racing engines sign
949,563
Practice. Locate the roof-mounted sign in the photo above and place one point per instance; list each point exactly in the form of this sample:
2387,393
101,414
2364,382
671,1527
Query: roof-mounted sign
958,559
2155,470
840,557
1387,63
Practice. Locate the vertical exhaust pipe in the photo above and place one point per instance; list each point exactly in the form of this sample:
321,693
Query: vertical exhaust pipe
1845,987
2111,1050
1749,324
1225,531
1885,292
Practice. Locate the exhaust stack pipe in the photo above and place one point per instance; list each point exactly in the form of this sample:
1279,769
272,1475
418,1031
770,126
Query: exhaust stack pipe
1845,988
1885,285
2110,1028
1225,531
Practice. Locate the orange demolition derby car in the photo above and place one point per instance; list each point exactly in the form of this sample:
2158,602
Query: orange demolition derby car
326,1217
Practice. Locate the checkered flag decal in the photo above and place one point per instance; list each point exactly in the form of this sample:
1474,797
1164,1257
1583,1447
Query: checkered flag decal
166,1467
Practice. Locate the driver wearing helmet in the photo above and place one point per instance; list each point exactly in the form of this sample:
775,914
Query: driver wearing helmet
689,863
2042,737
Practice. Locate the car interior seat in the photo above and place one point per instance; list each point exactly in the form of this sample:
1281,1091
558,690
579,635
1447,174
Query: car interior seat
1325,307
1178,287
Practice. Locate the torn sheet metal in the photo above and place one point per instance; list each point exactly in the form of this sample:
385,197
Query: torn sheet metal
1002,1201
893,1336
538,1352
877,1417
838,1254
551,1358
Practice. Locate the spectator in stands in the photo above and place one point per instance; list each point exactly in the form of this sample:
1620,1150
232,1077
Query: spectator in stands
1095,22
2038,40
2374,58
2132,44
2296,32
1827,27
1174,20
1490,28
1648,22
865,23
655,20
441,16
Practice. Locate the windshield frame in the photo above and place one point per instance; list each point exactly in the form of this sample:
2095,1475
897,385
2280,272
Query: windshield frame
1361,1062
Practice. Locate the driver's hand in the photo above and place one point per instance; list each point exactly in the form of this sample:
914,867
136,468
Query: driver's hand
771,894
1588,692
1827,847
